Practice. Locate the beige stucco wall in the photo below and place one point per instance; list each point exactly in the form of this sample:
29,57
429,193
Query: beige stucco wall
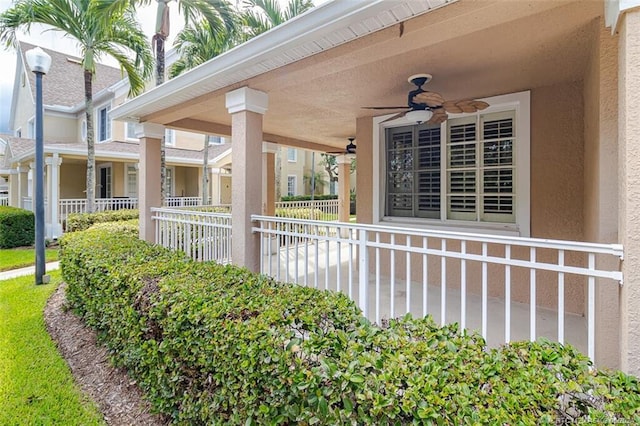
189,140
60,129
73,178
557,138
291,168
117,180
186,182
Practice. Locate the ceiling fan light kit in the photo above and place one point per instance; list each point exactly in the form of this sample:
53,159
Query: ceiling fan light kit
418,115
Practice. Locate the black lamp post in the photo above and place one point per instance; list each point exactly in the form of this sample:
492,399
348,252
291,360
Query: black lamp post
39,62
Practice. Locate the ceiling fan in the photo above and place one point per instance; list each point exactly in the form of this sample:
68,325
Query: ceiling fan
423,106
349,149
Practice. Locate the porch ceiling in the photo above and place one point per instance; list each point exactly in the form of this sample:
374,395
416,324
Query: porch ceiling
472,48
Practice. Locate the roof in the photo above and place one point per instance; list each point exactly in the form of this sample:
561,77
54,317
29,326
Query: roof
23,148
64,84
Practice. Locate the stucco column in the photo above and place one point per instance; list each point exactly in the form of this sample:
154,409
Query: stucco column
14,189
150,135
53,228
269,151
344,175
629,187
364,170
23,183
246,107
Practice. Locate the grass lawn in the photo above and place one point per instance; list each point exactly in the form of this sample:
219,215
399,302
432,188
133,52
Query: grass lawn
21,257
36,386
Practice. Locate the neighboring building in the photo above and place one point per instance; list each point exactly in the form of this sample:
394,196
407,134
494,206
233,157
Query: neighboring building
117,148
555,156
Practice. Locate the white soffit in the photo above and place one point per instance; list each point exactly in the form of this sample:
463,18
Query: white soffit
324,27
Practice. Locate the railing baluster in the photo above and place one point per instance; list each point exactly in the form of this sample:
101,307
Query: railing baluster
443,282
363,262
326,259
463,287
507,296
591,318
408,275
561,298
377,278
350,269
532,296
485,299
425,277
392,291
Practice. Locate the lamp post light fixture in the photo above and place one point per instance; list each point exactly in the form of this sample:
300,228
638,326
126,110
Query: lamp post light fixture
39,63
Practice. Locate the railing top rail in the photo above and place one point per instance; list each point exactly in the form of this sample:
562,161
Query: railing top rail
178,211
612,249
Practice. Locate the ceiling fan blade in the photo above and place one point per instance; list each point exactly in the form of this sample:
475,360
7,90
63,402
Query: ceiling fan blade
480,105
439,116
401,114
431,99
451,107
386,107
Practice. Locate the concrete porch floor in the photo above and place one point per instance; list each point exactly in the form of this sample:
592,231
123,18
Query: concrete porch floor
336,277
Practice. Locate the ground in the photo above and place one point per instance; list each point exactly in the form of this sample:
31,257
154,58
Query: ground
117,395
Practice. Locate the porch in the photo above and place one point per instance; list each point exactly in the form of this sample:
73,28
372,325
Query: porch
484,283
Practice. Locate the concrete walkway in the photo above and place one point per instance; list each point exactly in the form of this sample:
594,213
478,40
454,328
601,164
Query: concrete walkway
29,270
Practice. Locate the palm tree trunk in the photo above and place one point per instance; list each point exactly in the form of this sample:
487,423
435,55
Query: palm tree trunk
205,172
159,40
91,149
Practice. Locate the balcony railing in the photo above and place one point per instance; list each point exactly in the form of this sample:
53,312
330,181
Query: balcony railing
507,288
326,210
4,200
201,235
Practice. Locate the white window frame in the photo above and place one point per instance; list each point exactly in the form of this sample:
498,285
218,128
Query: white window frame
18,132
83,130
169,137
172,187
295,185
126,179
130,126
518,102
292,155
109,124
219,140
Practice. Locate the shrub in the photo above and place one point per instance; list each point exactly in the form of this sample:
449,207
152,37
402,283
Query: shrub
82,221
308,197
217,344
300,213
17,227
130,227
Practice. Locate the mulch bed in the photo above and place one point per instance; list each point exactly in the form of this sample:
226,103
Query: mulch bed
115,393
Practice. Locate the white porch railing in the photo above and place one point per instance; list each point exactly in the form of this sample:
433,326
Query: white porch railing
27,203
201,235
480,281
4,200
325,210
182,201
68,206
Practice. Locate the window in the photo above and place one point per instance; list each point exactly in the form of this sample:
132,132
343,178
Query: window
291,185
333,187
19,132
104,181
463,171
169,137
83,130
168,182
132,180
292,155
130,129
104,124
216,140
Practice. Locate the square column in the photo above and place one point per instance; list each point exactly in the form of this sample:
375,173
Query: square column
149,182
14,192
246,107
269,151
53,227
344,193
629,187
23,183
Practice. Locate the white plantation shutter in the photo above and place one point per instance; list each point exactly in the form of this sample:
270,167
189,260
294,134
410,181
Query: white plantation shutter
427,197
498,147
462,169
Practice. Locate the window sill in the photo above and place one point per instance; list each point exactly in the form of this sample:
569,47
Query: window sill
506,229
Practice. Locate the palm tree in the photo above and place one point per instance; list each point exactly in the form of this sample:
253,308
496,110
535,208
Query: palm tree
98,33
260,16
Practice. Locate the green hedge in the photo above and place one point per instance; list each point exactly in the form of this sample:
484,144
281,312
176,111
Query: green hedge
308,197
82,221
17,227
212,344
